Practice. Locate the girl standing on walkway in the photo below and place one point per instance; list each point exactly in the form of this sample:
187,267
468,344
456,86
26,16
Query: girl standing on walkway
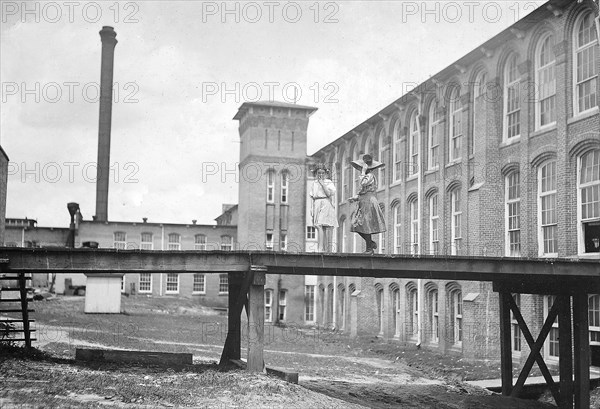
323,212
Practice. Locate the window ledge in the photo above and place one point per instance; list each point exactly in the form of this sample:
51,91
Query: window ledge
589,256
412,177
454,162
198,293
543,130
510,141
433,170
583,115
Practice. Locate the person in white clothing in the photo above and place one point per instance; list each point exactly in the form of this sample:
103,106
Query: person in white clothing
323,210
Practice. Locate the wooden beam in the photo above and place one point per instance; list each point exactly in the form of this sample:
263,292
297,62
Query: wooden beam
565,356
534,355
231,349
505,344
256,320
582,350
141,357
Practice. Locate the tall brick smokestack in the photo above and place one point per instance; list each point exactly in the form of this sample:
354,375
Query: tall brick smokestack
109,41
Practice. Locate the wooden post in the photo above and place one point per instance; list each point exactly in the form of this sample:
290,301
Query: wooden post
565,356
24,309
237,299
505,343
256,320
582,350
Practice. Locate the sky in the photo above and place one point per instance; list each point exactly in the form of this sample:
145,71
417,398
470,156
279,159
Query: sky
181,71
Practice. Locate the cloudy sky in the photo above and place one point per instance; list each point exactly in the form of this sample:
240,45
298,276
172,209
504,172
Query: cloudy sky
182,69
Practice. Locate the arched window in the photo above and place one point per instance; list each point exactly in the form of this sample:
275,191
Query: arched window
199,242
433,139
395,304
270,186
284,187
414,226
174,242
547,218
341,310
412,309
397,152
434,314
380,307
456,223
589,202
545,110
512,198
585,60
413,145
512,99
434,225
397,214
356,178
456,127
455,312
268,305
381,157
382,236
309,303
479,92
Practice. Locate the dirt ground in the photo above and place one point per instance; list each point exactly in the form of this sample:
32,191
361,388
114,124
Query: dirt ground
334,370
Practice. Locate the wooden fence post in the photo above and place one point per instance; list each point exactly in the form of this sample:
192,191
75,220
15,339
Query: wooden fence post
256,320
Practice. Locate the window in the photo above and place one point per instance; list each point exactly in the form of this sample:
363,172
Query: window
269,241
413,145
146,241
589,199
172,283
585,46
547,209
381,236
344,228
226,243
270,186
594,318
346,177
512,99
123,284
223,284
311,233
341,310
456,315
282,305
309,303
434,317
397,229
397,153
120,240
381,158
145,283
413,309
198,285
513,214
199,242
551,345
434,223
396,312
357,175
414,227
174,243
456,222
380,310
516,331
545,110
283,242
479,90
433,140
268,305
456,127
284,187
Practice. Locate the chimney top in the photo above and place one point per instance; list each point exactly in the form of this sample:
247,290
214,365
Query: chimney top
108,34
194,221
145,219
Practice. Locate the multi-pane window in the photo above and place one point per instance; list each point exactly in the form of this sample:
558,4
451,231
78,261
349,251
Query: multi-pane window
346,177
456,127
516,331
594,317
199,242
589,198
120,240
380,309
174,242
270,186
413,145
434,223
397,153
433,140
381,158
456,315
145,284
434,317
413,308
545,83
344,229
269,241
283,242
123,284
479,90
282,305
309,303
146,242
456,221
414,227
223,284
585,46
547,209
226,243
311,233
397,229
172,283
284,187
512,99
396,312
551,345
268,305
199,284
353,180
513,214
